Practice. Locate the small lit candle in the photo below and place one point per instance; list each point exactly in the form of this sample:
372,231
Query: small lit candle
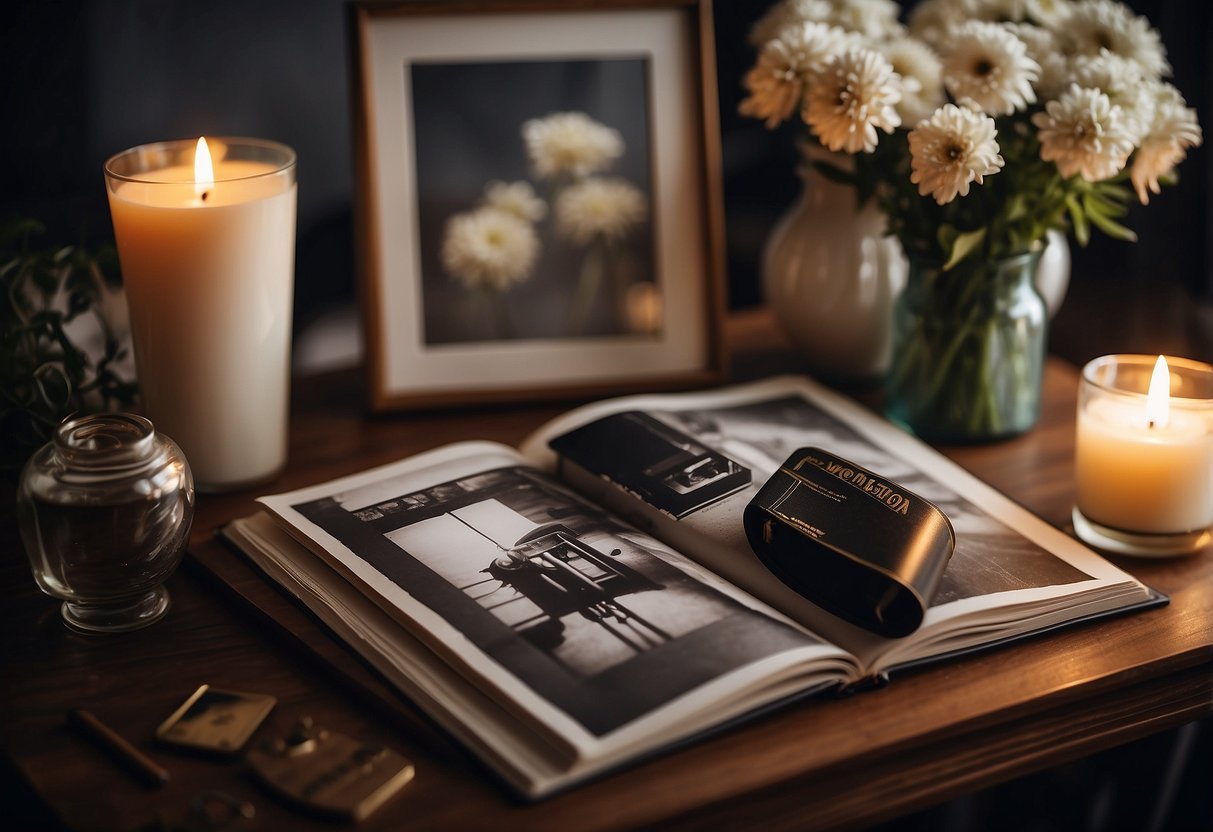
1144,464
206,240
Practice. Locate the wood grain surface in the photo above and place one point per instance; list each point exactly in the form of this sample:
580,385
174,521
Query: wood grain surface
823,763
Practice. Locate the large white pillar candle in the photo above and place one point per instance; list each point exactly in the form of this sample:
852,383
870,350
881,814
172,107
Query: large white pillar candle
207,260
1144,454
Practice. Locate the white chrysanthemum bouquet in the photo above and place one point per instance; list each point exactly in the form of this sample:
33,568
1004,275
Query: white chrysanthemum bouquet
974,134
496,245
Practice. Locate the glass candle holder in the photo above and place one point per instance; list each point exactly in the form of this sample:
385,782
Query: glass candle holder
207,256
105,511
1144,457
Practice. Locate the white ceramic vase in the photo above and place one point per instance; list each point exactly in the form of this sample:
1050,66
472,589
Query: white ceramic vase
831,276
1053,273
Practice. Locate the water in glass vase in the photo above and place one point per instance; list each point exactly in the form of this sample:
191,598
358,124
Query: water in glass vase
969,346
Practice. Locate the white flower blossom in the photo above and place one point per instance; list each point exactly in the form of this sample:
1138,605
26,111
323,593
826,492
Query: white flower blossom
570,143
489,248
987,63
935,21
921,87
951,150
998,11
1054,76
517,198
599,207
1043,47
873,19
1050,13
856,94
1121,80
1094,25
1084,133
1173,129
786,66
931,20
788,13
1042,91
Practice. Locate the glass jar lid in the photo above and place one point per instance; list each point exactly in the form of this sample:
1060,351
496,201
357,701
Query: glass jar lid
108,443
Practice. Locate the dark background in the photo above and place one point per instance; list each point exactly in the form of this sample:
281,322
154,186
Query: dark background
84,79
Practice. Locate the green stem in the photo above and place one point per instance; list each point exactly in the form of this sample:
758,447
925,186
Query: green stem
619,266
592,268
966,364
988,394
946,364
494,302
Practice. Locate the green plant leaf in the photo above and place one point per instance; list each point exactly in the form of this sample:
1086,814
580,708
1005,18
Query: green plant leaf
1111,227
1106,205
946,235
44,375
1016,208
1082,231
963,246
1113,192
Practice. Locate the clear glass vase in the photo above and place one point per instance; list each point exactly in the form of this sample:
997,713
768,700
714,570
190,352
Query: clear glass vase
969,346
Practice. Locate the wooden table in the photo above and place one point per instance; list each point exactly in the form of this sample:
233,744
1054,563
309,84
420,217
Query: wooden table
824,763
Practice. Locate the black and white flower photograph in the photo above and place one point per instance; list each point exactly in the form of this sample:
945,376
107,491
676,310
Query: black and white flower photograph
533,184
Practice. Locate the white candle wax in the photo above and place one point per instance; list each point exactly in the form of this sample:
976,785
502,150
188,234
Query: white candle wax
1134,477
209,276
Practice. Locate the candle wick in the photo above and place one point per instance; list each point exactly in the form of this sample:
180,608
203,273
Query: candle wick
205,194
1151,424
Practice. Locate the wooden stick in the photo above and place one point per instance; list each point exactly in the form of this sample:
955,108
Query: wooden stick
143,767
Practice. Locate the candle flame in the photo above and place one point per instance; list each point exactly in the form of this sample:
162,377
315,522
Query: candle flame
204,171
1158,400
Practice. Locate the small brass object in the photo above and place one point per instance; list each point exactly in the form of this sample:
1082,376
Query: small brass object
330,772
216,720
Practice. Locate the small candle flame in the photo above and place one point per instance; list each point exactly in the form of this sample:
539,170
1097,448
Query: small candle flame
204,171
1158,400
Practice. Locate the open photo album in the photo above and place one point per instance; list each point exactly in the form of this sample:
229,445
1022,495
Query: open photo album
590,599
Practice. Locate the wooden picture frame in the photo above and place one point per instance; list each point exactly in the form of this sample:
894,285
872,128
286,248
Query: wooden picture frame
607,275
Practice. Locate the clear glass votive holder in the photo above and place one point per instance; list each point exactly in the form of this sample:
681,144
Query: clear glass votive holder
105,511
208,265
1144,476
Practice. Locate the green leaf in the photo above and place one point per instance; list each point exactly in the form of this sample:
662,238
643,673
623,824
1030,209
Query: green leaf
963,246
1082,231
1098,203
1101,214
44,374
946,236
1113,192
1111,227
1016,208
19,231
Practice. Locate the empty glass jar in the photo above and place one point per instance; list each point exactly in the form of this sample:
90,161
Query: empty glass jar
105,511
